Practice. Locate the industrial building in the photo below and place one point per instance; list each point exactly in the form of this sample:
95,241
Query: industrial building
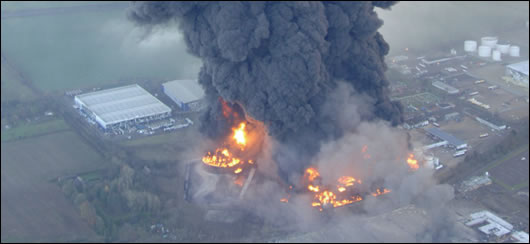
518,72
445,87
520,237
444,136
416,122
490,124
453,115
185,93
117,107
495,225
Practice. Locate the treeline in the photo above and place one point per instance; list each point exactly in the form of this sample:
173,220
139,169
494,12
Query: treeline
120,195
15,112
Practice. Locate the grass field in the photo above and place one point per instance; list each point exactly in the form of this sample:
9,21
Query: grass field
90,49
12,88
33,208
34,129
511,172
180,144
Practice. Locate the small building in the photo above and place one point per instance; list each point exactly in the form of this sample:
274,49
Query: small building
445,87
185,93
444,136
416,122
518,72
452,116
440,60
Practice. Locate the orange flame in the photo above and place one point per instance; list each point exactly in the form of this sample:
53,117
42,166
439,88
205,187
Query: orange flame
379,192
413,163
239,134
313,188
222,157
312,174
327,197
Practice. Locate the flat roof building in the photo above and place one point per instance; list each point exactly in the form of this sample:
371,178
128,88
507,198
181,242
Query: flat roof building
451,140
119,105
494,225
442,86
519,72
184,92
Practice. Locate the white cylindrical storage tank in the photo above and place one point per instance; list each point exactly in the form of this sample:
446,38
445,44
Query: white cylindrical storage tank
503,48
496,55
470,46
514,51
484,51
489,41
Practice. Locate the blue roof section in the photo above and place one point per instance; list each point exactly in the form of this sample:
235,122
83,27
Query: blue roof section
445,136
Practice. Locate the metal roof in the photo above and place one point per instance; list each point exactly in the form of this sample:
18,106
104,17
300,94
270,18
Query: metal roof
445,136
445,87
520,67
184,90
122,104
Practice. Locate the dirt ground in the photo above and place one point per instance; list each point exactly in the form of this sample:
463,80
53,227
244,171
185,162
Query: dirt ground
33,208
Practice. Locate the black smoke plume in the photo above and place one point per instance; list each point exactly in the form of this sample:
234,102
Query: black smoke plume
280,61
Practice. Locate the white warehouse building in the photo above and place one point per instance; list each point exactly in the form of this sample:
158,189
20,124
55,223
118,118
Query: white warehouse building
121,105
185,93
519,72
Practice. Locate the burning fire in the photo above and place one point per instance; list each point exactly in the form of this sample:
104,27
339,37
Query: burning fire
237,151
379,192
311,174
221,158
327,196
239,134
413,163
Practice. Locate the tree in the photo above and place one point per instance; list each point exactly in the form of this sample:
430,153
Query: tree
68,189
88,212
99,225
80,199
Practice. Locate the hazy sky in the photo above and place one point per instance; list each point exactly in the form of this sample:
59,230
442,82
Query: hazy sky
424,24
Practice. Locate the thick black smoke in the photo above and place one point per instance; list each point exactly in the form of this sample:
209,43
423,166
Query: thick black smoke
280,61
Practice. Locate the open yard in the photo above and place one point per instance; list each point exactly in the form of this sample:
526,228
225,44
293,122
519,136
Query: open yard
31,130
34,208
510,171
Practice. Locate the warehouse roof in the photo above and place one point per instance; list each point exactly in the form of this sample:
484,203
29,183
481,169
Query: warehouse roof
520,67
445,87
184,90
122,104
445,136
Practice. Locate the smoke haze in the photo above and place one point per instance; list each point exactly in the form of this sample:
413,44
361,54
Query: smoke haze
313,73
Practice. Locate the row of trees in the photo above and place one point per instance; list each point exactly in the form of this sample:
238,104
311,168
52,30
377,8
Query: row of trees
115,197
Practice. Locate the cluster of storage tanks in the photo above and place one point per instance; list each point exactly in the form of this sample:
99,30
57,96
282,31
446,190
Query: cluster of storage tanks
489,47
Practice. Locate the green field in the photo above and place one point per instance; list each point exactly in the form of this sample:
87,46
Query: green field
513,175
91,49
34,129
12,88
33,208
